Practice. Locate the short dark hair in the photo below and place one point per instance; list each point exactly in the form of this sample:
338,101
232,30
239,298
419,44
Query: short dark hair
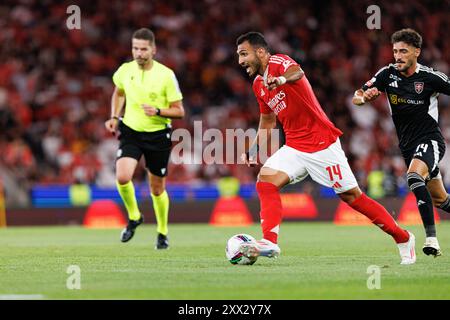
256,39
408,36
144,34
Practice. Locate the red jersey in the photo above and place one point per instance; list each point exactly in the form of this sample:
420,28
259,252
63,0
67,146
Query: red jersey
305,124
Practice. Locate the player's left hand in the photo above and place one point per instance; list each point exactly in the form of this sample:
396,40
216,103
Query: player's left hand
371,94
148,110
273,82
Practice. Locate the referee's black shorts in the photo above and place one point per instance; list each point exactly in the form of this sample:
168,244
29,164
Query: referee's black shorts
155,146
430,151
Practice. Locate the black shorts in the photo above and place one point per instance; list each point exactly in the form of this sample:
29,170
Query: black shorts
155,146
430,151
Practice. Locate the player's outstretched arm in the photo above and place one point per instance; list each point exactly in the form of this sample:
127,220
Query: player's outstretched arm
360,97
292,74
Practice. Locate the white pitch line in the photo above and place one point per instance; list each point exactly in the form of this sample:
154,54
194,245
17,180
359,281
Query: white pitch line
21,296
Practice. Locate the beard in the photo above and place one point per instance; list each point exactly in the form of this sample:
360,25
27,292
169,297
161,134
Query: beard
254,68
405,66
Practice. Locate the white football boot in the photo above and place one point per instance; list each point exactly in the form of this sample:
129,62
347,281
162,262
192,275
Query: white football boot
431,247
407,250
263,247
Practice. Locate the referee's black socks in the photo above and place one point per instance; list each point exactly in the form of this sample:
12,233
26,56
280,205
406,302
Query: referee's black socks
417,185
446,204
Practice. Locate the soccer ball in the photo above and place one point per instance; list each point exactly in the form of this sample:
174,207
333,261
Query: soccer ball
232,249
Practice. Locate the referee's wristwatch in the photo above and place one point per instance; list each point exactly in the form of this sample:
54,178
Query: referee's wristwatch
158,111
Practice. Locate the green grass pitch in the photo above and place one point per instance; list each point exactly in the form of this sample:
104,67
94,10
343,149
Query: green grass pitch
318,261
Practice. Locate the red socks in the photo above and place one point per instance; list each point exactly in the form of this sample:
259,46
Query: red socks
271,210
380,217
271,213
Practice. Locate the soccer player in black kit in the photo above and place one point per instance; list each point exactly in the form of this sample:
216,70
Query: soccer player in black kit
412,90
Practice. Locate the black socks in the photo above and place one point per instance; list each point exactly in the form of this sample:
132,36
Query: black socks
417,185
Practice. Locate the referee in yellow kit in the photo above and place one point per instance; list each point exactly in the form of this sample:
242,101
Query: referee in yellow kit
153,98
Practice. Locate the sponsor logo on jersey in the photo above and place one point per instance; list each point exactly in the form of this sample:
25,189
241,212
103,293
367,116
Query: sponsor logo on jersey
393,98
276,103
393,76
410,101
418,86
337,185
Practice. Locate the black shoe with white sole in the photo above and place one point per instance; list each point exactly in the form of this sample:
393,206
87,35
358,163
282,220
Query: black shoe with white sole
128,232
431,247
430,251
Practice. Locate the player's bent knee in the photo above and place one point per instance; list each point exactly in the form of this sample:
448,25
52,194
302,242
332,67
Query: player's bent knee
123,179
157,188
350,195
419,167
438,201
157,191
415,180
275,177
267,173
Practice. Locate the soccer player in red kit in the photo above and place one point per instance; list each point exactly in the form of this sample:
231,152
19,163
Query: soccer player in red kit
312,147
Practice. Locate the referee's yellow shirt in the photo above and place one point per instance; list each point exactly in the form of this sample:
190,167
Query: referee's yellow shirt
157,87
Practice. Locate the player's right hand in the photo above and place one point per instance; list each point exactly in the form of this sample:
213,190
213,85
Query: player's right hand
249,161
371,94
111,125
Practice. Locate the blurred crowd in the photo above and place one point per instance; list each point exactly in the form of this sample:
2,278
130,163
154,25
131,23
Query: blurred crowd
55,83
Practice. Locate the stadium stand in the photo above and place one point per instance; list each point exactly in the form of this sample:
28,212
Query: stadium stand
55,83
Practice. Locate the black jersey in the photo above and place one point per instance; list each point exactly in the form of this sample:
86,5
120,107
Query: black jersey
413,102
